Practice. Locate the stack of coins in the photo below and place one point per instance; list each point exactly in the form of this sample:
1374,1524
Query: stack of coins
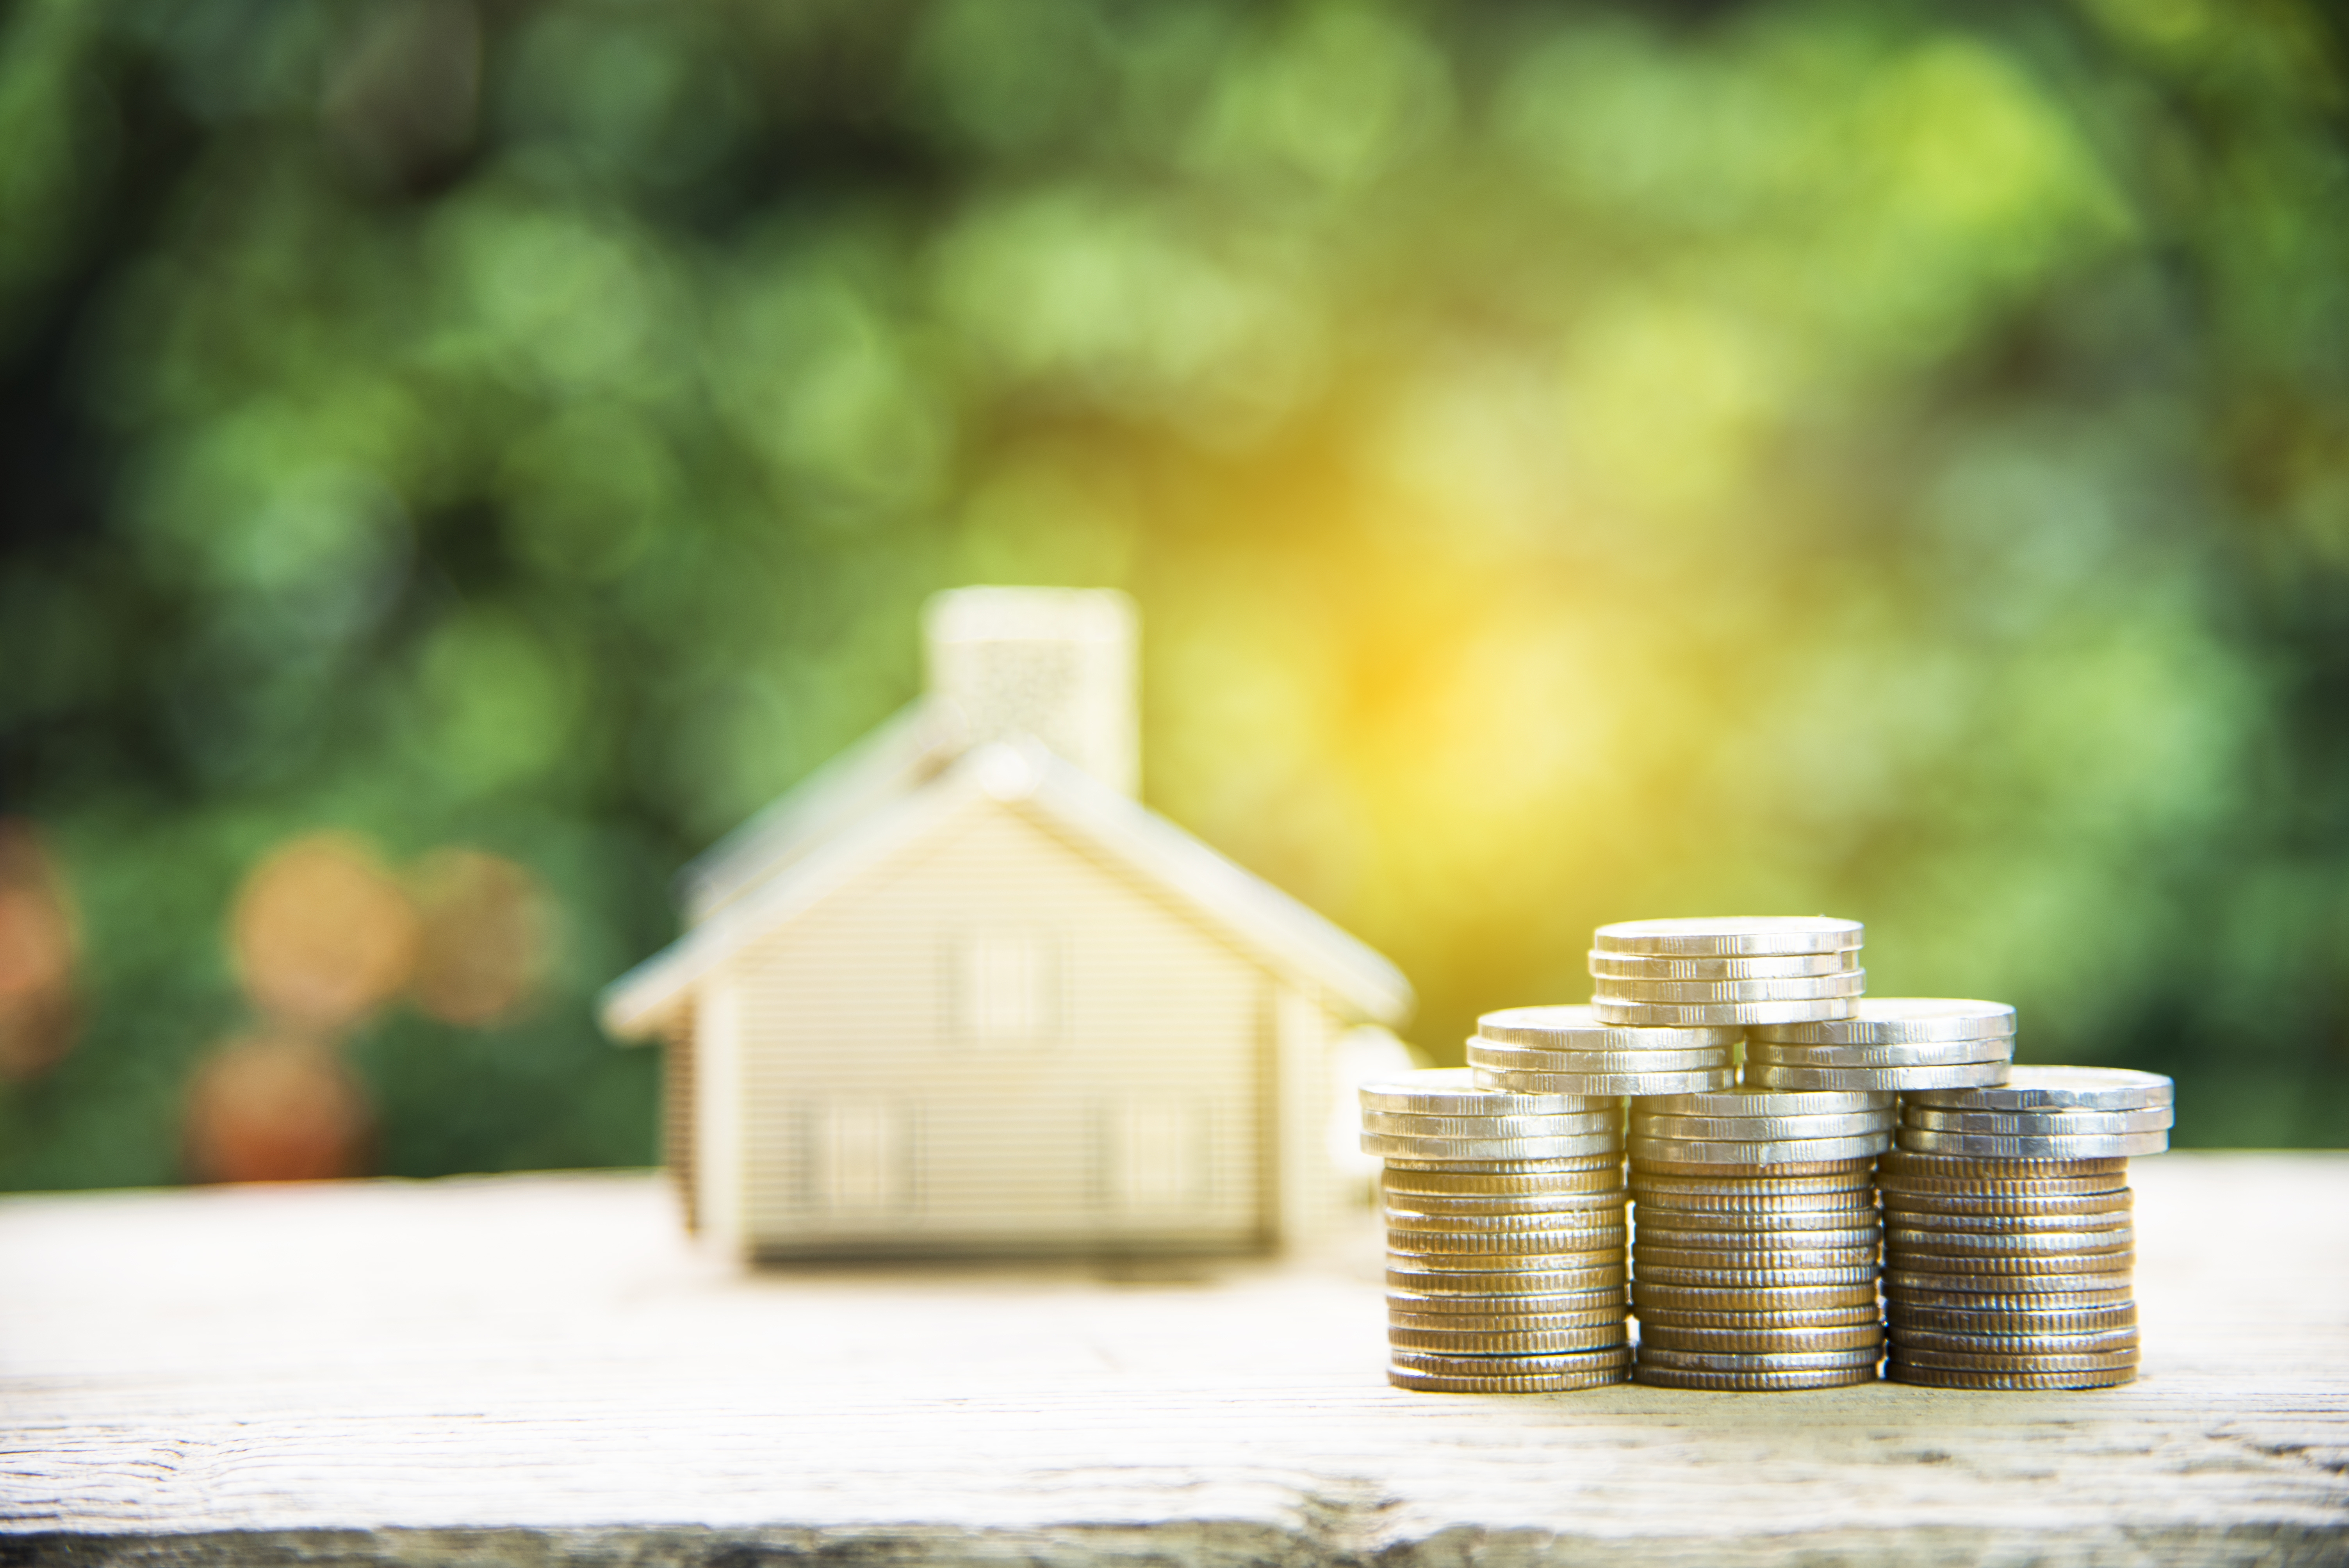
1889,1043
2008,1241
1726,971
1504,1216
1756,1261
1567,1050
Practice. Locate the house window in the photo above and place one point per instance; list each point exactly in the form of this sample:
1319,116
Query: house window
862,1156
1156,1156
1006,983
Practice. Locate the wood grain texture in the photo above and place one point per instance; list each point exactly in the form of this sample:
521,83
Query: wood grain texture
539,1370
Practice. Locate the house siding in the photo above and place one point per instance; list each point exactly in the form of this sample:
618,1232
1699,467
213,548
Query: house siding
1127,1105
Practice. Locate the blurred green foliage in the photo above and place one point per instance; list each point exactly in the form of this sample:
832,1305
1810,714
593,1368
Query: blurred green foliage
1577,462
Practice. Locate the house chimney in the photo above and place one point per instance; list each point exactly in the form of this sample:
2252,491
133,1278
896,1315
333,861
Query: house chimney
1056,664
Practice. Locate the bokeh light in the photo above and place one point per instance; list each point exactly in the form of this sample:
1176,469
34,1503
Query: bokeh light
486,937
38,947
322,933
275,1109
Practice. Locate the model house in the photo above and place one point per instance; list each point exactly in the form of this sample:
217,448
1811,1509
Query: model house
961,991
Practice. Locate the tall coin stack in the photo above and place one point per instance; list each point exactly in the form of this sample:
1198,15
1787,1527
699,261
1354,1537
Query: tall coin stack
1902,1043
1725,973
1756,1261
2009,1245
1506,1229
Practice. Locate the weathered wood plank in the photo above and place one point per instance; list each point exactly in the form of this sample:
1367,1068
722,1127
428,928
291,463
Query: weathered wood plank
539,1370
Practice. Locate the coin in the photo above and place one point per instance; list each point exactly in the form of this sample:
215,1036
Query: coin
1762,1243
1484,1053
1495,1318
1919,1054
1851,1317
1771,1102
1779,1341
1449,1091
2006,1224
1770,1221
1649,1256
1463,1207
1987,1290
1989,1206
1749,1279
1530,1303
1573,1026
1769,1075
1675,1167
2007,1268
1671,1015
1522,1383
1529,1282
1790,967
1730,936
2039,1123
1977,1361
1764,1129
1608,1209
2019,1344
2071,1089
1849,1184
1438,1364
1686,993
2052,1319
1674,1082
1397,1146
1752,1382
1652,1295
1900,1371
1900,1021
1988,1146
1988,1174
1429,1245
1544,1343
2052,1244
1792,1151
1590,1173
1756,1360
1408,1124
1572,1259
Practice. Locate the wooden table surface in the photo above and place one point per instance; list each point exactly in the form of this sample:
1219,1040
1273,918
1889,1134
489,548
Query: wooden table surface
541,1370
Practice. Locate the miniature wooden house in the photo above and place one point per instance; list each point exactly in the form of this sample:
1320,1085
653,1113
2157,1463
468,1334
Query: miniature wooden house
960,992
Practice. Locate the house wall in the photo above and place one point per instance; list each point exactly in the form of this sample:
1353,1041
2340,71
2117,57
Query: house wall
677,1111
995,1040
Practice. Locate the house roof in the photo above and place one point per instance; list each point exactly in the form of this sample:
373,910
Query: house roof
787,860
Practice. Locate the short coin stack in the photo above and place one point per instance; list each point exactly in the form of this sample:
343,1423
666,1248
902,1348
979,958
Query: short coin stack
1567,1050
1756,1261
1889,1043
1505,1217
2008,1242
1731,971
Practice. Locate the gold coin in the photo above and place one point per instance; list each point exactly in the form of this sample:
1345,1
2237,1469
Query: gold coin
1536,1383
1600,1159
1652,1295
1516,1221
1759,1221
1603,1200
1751,1181
1905,1165
1591,1173
1900,1371
1910,1260
1848,1336
1492,1285
1978,1361
2008,1224
1849,1316
1752,1382
1987,1206
1506,1263
1907,1316
1468,1342
1654,1164
1453,1366
1757,1360
1506,1244
2017,1343
1992,1293
1749,1241
1490,1322
1752,1279
1650,1256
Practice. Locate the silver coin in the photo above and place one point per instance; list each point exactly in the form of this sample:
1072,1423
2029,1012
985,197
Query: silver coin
1471,1207
1670,1253
1757,1361
1573,1026
2018,1344
1765,1129
1756,1222
2067,1089
1688,1150
1567,1259
1572,1303
1728,1279
1484,1052
1654,967
1930,1287
1452,1091
1855,1238
1510,1149
1572,1124
2040,1124
1606,1212
1922,1245
1770,1102
1769,1075
1684,1082
1851,982
1730,936
1438,1364
1667,1014
2007,1225
1990,1209
1902,1020
1501,1249
1786,1341
1417,1167
1988,1146
1925,1054
1525,1283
